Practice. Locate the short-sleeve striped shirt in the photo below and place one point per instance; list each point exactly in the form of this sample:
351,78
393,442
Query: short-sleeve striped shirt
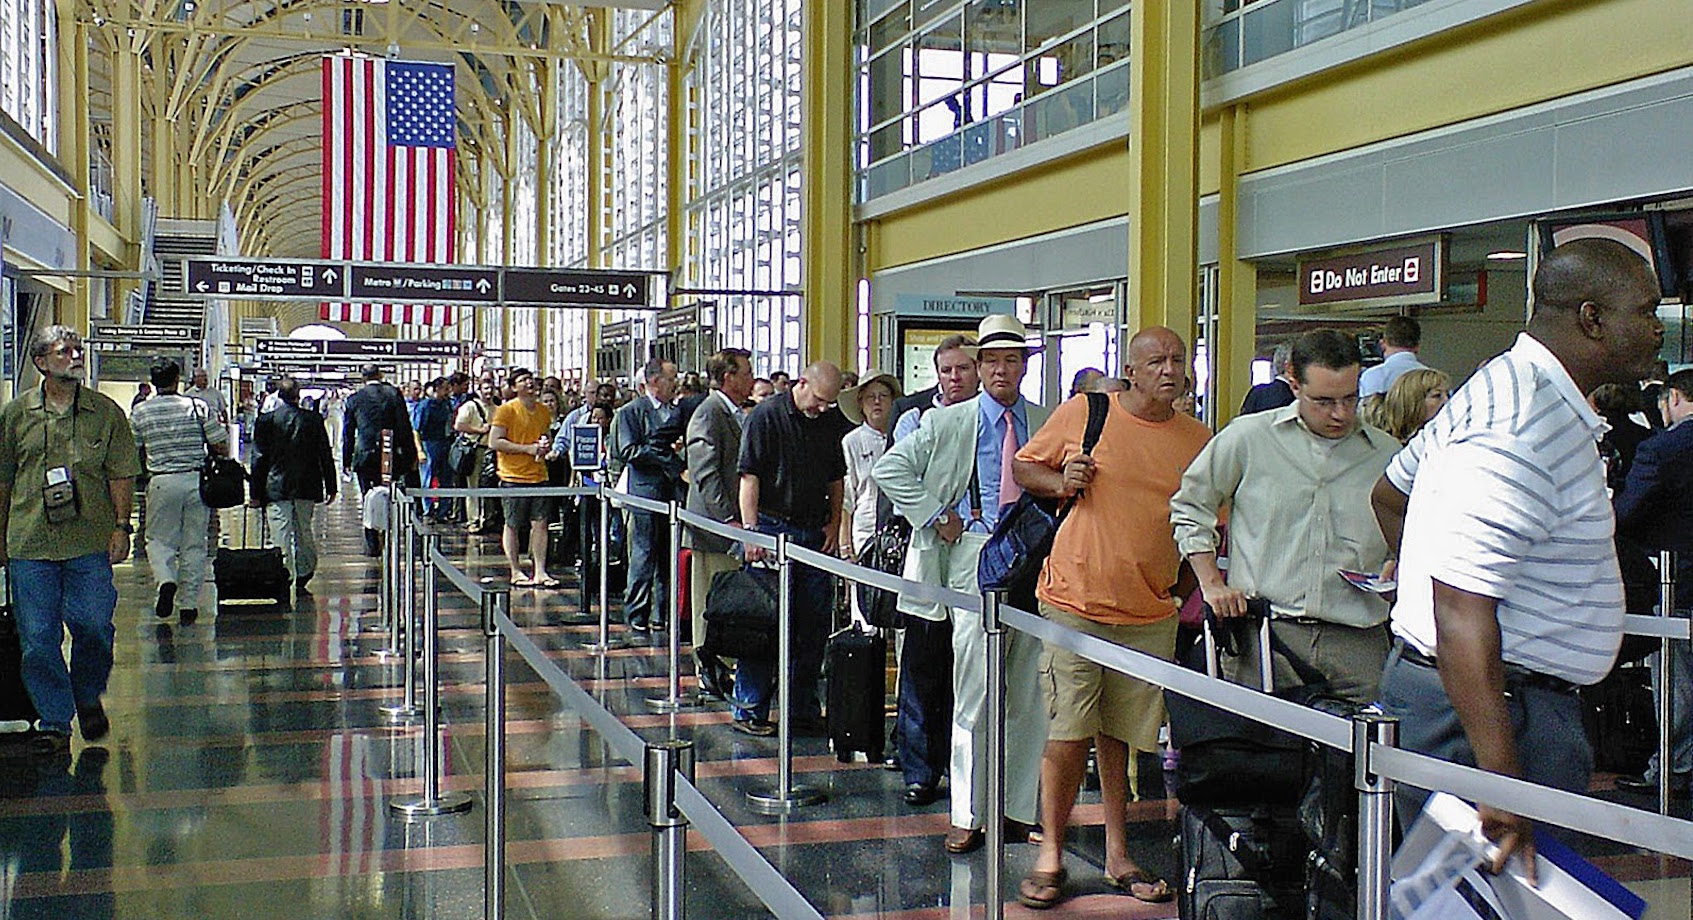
170,427
1508,501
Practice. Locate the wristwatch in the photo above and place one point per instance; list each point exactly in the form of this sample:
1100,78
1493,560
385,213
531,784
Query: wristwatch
127,528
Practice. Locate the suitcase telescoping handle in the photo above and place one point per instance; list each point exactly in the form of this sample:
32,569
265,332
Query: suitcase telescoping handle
1257,608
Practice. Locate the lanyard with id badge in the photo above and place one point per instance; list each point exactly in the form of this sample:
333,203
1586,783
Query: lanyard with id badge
59,499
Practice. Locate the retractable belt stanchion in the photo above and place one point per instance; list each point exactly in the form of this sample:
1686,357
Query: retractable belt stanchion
993,824
604,644
431,801
390,595
673,700
665,761
406,622
494,769
1666,607
786,796
1375,814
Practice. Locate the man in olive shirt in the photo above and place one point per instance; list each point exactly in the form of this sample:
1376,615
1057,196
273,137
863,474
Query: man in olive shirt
1297,480
67,476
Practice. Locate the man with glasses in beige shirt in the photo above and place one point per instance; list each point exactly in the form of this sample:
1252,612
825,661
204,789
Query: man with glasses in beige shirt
1297,483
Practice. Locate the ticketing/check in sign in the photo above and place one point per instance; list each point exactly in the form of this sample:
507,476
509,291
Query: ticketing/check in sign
585,447
255,278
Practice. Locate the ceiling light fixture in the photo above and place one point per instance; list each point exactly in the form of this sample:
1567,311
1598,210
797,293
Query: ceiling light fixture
1506,255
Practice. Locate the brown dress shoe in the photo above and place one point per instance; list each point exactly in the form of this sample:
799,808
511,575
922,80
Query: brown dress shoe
963,840
1018,832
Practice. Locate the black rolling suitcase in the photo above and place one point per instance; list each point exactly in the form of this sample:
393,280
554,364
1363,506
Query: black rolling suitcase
856,666
1241,863
1245,853
17,713
251,573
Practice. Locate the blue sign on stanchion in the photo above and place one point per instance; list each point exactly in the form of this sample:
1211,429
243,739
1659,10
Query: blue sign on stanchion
585,447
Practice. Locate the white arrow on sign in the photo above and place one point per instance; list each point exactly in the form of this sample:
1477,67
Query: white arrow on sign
201,287
628,290
329,275
482,285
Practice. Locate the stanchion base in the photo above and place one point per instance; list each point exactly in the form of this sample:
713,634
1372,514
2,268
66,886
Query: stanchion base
773,802
388,654
672,704
600,648
451,803
402,713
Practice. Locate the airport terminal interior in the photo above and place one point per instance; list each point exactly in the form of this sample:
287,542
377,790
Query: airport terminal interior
328,189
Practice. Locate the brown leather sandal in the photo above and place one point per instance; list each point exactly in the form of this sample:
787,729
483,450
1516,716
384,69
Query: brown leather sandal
1041,890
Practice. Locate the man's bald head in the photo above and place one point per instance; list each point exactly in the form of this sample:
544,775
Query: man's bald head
1155,338
818,387
1157,369
1590,270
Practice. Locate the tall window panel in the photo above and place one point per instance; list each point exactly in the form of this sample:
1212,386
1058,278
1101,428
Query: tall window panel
944,84
568,347
743,212
29,80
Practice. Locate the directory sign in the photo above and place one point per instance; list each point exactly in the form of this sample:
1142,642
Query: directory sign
405,283
266,278
545,286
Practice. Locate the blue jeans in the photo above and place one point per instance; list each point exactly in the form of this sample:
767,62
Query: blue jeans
924,723
810,607
1680,674
78,595
436,467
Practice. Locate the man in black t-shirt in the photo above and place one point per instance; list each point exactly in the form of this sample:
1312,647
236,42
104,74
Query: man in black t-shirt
791,472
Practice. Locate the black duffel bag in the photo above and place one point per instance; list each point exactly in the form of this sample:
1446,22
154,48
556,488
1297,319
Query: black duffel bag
740,615
884,552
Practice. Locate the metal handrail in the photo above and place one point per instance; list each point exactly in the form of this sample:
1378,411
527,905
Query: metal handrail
1636,827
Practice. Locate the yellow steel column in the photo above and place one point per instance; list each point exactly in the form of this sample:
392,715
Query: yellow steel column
126,140
73,146
508,203
1237,281
1164,164
678,123
546,157
826,265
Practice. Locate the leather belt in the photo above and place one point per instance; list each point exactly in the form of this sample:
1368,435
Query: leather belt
1516,676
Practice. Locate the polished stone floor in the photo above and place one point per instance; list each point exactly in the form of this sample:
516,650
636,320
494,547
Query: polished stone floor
250,767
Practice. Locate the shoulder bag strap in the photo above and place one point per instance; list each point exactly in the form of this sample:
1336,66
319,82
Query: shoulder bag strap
1099,406
200,423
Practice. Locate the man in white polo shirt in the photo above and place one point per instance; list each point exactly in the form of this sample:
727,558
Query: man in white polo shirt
1508,580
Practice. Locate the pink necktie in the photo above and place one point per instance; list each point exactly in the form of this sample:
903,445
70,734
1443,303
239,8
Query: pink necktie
1009,490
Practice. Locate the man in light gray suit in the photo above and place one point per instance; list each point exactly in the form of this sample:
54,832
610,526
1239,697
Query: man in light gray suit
713,452
950,479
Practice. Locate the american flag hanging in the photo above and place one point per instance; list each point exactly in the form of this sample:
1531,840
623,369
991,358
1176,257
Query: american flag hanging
388,152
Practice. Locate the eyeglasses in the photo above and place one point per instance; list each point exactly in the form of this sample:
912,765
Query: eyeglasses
1330,403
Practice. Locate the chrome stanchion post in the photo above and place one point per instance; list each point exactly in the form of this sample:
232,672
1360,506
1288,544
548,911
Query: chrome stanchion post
1371,730
673,701
993,823
407,707
664,762
494,770
1666,608
390,593
604,644
431,801
786,796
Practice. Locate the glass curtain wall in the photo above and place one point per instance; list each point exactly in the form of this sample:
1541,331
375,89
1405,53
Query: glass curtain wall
743,212
567,330
944,84
29,73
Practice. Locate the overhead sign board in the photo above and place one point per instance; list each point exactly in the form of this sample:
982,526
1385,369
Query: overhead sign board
407,283
273,351
1406,273
585,288
113,338
943,305
263,278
